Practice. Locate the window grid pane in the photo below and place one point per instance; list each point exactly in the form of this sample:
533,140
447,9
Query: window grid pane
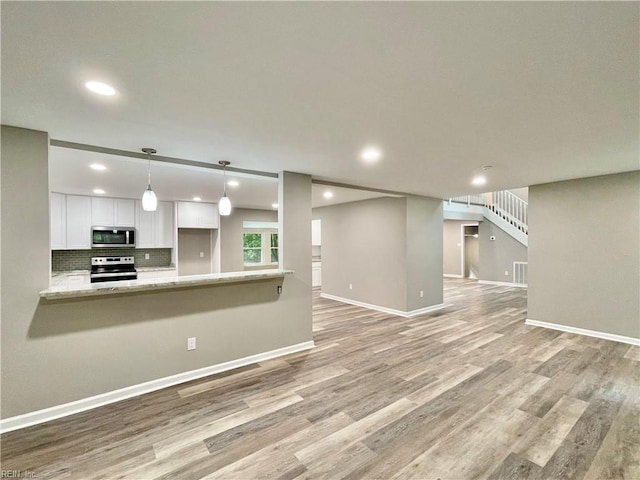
252,255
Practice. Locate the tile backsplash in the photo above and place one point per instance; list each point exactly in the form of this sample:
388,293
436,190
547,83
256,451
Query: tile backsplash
67,260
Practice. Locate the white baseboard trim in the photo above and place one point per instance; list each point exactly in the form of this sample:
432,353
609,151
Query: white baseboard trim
584,331
502,284
392,311
66,409
451,275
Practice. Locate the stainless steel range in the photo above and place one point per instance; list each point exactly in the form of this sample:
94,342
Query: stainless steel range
112,269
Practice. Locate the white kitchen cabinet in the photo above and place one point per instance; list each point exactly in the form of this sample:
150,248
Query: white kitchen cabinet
112,212
316,274
78,222
197,215
58,221
316,233
154,229
157,274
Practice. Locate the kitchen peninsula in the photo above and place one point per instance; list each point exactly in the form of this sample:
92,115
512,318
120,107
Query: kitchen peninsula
131,286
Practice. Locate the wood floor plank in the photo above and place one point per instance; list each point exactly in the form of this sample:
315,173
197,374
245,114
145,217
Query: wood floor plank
467,392
515,467
540,443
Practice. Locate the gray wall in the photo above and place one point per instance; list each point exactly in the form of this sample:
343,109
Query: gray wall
387,248
584,260
498,256
424,252
192,242
231,229
57,352
452,245
364,244
522,193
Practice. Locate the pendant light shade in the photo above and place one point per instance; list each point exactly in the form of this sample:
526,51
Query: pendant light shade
224,204
149,199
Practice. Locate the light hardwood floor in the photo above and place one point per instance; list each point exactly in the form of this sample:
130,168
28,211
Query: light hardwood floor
469,392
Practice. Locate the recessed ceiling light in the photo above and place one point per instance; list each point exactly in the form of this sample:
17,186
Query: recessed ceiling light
98,191
100,88
97,166
233,183
274,205
371,154
479,180
327,194
196,199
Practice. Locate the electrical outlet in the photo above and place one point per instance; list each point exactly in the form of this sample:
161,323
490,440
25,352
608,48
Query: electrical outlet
201,254
147,256
506,273
191,343
421,293
351,286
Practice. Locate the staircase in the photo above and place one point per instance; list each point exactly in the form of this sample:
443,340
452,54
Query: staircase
503,208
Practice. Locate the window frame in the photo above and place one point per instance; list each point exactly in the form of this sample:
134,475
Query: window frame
265,248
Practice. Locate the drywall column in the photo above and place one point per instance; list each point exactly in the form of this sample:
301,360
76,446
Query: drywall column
424,252
364,252
381,253
25,248
584,254
294,238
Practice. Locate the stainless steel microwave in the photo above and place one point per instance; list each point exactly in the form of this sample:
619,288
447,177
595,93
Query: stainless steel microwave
107,237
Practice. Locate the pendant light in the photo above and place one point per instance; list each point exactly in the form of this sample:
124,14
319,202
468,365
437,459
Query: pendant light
224,205
149,199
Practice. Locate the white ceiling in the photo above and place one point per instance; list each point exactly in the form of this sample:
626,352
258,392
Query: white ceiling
70,172
543,91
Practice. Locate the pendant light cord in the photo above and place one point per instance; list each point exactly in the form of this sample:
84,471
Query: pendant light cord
224,179
149,169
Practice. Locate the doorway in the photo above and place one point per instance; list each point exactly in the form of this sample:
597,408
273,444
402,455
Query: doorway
470,251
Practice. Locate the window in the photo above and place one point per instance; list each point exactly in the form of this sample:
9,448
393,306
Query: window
253,248
260,247
274,248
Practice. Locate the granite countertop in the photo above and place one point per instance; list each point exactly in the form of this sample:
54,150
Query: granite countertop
155,269
132,286
70,272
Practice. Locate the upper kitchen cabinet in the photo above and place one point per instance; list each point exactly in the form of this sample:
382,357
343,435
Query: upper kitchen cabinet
197,215
78,220
316,233
112,212
58,221
154,229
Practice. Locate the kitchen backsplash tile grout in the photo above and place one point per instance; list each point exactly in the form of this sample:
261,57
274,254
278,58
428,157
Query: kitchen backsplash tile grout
67,260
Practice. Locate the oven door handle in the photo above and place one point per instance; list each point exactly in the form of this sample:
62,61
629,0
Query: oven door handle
118,274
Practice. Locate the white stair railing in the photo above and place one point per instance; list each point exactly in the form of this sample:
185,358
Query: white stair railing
510,207
477,199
